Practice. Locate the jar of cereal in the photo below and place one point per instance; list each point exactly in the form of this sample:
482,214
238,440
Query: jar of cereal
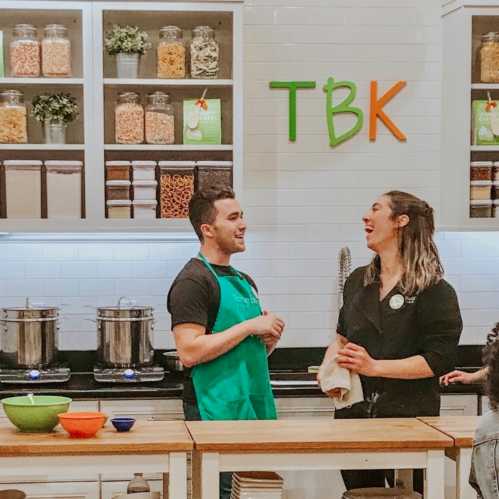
24,51
204,53
56,51
13,120
129,119
160,119
171,53
489,58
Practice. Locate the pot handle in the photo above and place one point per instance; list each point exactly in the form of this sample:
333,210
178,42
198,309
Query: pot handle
128,301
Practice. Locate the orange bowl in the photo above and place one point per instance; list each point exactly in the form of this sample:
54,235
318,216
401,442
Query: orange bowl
82,424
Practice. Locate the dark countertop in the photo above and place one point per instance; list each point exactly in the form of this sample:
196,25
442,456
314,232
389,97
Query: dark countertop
83,386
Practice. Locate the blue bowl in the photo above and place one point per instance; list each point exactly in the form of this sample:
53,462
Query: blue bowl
123,424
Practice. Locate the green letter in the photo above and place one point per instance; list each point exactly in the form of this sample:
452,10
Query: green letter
292,86
342,107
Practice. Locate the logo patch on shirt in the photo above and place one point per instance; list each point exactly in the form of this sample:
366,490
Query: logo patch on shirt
396,302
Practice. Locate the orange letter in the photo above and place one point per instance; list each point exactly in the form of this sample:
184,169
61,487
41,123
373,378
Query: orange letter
377,110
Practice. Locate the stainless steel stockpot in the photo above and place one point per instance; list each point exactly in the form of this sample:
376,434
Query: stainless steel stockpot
29,336
124,336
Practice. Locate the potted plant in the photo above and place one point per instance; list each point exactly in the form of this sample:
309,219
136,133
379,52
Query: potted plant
128,43
55,111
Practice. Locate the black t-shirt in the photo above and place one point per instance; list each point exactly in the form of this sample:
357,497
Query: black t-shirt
194,298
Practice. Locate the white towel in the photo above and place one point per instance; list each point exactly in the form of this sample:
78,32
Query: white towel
333,376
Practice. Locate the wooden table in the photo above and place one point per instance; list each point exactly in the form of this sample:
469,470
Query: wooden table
150,447
315,445
462,430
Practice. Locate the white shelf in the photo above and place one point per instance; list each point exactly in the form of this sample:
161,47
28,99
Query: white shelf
484,148
485,86
173,147
42,147
41,81
166,82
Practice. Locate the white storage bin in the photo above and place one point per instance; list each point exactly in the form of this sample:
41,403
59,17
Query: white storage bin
119,208
144,170
64,182
144,189
23,188
145,209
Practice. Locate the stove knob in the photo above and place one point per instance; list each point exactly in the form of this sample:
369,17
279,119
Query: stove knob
34,374
129,374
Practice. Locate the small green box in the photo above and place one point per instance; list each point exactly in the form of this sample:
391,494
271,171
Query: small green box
202,126
485,123
2,65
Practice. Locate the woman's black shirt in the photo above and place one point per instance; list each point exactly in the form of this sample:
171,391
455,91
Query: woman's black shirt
428,324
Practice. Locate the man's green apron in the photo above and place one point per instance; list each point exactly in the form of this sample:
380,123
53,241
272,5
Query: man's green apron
236,385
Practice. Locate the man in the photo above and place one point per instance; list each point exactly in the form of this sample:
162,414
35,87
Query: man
220,330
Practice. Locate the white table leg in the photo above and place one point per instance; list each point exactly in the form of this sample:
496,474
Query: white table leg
463,466
434,484
210,475
177,475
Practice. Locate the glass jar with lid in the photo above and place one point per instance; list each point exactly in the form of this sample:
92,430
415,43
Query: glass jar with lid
24,51
129,119
171,53
56,51
489,58
13,118
160,119
205,53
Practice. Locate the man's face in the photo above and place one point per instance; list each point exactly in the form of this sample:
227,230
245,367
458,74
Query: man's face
229,227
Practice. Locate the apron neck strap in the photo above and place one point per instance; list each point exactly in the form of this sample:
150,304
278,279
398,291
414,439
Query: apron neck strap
211,269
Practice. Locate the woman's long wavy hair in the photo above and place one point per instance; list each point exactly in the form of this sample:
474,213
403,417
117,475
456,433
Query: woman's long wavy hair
419,255
491,358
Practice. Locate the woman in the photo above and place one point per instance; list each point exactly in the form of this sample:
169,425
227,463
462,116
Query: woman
400,322
484,476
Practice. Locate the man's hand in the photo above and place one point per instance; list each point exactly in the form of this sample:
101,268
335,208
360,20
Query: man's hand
267,324
356,359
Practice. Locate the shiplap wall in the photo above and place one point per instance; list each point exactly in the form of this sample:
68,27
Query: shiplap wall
303,201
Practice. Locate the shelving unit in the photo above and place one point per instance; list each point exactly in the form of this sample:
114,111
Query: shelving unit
95,86
464,21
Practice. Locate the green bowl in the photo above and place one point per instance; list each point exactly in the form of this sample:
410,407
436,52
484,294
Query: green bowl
36,414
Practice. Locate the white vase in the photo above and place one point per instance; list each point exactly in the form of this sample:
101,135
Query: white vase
55,132
127,65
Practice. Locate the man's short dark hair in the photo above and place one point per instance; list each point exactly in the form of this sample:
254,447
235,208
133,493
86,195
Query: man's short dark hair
202,206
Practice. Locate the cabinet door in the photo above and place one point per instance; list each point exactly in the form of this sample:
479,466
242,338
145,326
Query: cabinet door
459,405
59,490
304,408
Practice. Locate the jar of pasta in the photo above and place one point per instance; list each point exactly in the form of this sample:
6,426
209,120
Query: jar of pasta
160,119
204,53
171,53
24,51
489,58
13,119
129,119
56,51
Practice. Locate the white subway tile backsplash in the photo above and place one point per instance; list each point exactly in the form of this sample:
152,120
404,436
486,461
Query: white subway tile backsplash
96,287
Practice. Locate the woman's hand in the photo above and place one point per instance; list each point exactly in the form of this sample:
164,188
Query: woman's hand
356,359
460,377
